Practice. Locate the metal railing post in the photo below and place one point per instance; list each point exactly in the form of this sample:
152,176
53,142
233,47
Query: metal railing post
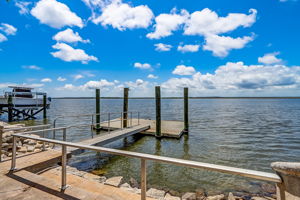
64,168
121,120
143,179
14,154
1,145
130,119
54,126
108,121
43,149
92,122
64,134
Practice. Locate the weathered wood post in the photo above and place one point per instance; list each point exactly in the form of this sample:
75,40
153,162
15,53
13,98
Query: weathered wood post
186,109
45,106
97,109
10,108
289,172
158,111
125,107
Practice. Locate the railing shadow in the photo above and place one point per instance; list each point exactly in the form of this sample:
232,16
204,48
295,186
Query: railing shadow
43,188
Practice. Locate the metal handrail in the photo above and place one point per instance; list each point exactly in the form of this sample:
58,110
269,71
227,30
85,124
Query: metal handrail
27,127
265,176
100,114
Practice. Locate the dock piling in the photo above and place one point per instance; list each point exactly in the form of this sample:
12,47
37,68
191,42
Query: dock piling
97,109
10,108
158,111
186,109
45,106
125,108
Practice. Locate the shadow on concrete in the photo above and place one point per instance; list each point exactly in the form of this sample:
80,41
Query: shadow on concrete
43,188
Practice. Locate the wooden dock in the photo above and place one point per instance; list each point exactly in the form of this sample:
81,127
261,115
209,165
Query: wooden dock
172,129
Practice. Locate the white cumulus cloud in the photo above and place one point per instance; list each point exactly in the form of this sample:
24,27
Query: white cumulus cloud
221,45
2,38
188,48
33,67
165,24
23,7
69,36
46,80
103,83
78,76
152,76
123,16
69,54
61,79
55,14
162,47
8,29
238,77
142,66
184,70
270,58
206,22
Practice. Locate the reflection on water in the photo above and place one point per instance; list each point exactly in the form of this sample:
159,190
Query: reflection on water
238,132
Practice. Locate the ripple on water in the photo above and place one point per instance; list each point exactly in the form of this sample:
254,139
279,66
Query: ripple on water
234,132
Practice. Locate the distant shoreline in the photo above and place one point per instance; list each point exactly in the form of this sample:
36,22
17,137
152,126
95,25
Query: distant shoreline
179,97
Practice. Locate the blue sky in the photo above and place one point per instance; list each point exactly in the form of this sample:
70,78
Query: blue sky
214,47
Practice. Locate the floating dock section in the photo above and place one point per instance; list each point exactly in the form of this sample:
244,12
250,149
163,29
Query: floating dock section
172,129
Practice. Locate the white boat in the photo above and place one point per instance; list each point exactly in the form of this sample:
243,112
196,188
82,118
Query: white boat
23,97
22,103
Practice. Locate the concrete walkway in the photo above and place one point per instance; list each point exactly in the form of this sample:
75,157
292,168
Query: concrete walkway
25,184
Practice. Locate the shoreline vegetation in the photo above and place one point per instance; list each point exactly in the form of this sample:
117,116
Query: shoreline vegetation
179,97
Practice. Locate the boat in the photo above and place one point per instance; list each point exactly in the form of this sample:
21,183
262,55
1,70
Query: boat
22,100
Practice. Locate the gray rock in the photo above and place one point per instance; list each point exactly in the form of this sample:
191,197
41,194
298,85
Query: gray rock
26,141
231,196
102,179
127,187
269,188
30,148
4,145
38,146
170,197
32,142
200,194
22,150
189,196
37,150
7,139
155,193
7,134
216,197
114,181
134,183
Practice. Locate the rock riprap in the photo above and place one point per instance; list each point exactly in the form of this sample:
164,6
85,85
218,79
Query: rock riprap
23,145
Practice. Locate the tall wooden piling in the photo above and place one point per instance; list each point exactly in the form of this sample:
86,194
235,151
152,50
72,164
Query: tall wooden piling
10,108
125,107
158,111
97,108
186,109
45,106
